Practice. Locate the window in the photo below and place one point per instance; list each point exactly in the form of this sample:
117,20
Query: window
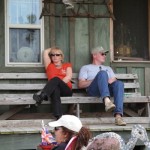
131,30
23,33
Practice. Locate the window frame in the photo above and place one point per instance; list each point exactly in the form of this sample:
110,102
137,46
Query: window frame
22,26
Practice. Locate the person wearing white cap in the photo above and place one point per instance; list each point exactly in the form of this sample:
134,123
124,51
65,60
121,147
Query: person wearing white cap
70,133
100,80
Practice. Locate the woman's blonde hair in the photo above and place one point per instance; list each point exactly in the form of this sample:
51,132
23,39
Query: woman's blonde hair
53,49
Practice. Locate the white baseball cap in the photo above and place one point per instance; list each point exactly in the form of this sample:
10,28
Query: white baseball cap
99,49
68,121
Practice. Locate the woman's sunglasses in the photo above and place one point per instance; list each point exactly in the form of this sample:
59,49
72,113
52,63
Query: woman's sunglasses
57,128
51,55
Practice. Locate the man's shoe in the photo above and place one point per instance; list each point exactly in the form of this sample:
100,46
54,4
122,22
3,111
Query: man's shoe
119,121
109,107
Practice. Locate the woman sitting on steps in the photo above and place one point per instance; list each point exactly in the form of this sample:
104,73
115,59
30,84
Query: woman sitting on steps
59,80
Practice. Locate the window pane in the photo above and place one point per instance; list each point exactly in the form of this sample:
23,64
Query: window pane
131,30
24,45
24,11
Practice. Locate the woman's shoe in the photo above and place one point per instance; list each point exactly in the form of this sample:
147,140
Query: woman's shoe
37,98
40,97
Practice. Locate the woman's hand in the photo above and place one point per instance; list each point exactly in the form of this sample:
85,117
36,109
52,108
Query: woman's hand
68,76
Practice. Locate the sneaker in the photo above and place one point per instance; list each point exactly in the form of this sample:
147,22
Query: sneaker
109,107
119,121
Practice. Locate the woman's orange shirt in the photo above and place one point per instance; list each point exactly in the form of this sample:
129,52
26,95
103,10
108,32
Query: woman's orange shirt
52,72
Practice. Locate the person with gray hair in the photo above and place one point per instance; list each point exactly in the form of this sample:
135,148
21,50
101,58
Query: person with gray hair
100,80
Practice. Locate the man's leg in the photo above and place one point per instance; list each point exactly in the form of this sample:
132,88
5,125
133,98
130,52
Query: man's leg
117,91
99,87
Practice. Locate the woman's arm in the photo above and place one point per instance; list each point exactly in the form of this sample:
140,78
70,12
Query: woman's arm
46,57
68,76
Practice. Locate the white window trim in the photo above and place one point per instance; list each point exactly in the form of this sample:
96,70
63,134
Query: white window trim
7,26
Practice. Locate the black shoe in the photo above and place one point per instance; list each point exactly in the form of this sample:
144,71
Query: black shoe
44,96
38,99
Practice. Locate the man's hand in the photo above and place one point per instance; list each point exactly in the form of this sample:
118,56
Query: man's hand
111,80
84,83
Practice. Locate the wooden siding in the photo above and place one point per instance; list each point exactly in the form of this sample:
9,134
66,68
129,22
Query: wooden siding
77,36
141,69
81,43
147,81
2,37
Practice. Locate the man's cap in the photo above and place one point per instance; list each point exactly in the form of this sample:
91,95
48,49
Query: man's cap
99,49
70,122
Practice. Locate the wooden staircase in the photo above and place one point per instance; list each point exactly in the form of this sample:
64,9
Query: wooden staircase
22,131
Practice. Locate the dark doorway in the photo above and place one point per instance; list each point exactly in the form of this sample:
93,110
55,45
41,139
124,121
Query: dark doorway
131,29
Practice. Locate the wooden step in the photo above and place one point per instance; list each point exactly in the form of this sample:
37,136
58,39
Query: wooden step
94,124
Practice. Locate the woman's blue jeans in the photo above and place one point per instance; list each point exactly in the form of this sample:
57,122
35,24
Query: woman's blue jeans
101,88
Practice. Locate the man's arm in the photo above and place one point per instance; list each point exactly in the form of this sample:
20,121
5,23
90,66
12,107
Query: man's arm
111,80
112,77
84,83
83,76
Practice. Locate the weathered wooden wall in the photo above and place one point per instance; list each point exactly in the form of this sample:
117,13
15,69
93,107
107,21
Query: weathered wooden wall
140,68
77,36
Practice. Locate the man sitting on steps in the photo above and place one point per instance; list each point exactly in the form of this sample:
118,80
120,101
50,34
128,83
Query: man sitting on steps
100,80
